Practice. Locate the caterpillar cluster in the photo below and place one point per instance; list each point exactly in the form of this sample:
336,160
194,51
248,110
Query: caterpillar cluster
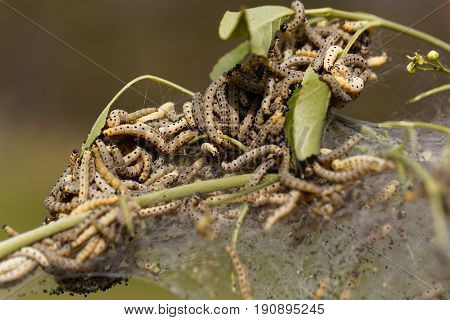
158,148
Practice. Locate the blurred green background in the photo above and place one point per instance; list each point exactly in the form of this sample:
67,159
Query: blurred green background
50,96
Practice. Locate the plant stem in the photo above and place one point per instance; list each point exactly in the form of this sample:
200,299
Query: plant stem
193,188
416,124
24,239
240,219
355,36
237,143
428,93
330,12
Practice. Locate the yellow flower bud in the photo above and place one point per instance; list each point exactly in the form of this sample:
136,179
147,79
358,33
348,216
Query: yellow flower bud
433,55
411,67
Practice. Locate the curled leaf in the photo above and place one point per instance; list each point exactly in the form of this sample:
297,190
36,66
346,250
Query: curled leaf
307,111
230,59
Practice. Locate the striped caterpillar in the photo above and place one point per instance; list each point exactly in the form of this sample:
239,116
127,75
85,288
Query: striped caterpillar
274,198
375,163
282,211
241,272
331,40
147,165
290,80
174,128
341,150
342,176
105,173
353,85
117,117
160,172
354,60
189,173
299,15
306,53
188,114
161,209
84,176
331,56
224,108
353,26
104,153
250,156
260,171
266,128
296,61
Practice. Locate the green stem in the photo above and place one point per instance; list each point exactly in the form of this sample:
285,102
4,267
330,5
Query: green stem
416,124
240,219
193,188
428,93
24,239
237,143
267,180
355,36
330,12
101,120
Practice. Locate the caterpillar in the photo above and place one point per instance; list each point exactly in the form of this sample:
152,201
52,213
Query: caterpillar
19,272
139,130
136,169
282,211
233,98
87,250
33,254
180,140
224,107
160,172
368,75
94,203
11,264
174,128
119,163
99,248
250,156
353,26
132,156
321,290
91,230
375,163
9,231
84,176
246,124
265,129
73,158
132,117
103,185
260,171
331,56
115,118
354,60
306,53
188,114
290,80
53,205
165,110
299,15
208,111
353,85
106,174
274,198
292,182
341,150
377,61
341,176
336,88
241,272
147,165
104,153
252,197
314,37
197,109
389,191
161,209
59,261
331,40
270,87
166,180
297,61
72,188
189,173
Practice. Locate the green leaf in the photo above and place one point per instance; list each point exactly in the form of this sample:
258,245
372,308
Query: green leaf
258,24
229,60
101,120
307,110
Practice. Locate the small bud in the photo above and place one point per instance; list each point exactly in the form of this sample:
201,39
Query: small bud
411,67
420,59
433,55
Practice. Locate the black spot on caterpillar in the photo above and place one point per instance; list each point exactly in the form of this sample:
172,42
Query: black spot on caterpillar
336,88
299,15
331,40
161,209
297,61
250,156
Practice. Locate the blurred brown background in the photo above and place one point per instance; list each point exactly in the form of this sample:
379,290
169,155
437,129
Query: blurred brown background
50,96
